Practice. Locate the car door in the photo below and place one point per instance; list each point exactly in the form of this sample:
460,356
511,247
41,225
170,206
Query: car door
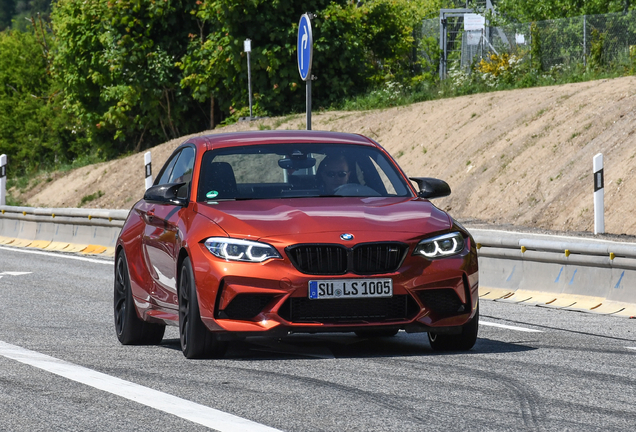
161,240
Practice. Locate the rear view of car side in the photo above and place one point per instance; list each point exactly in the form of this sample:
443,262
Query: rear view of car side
271,233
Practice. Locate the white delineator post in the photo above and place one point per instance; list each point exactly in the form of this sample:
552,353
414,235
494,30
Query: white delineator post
599,195
148,168
247,47
3,179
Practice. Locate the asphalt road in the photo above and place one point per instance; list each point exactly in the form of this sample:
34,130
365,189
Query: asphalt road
532,369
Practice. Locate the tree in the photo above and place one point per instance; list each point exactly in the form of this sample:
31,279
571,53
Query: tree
538,10
355,48
19,13
34,129
116,64
7,10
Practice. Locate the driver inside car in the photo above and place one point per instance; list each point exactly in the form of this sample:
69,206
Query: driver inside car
332,173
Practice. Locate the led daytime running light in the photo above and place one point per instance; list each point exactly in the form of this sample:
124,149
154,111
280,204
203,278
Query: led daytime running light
438,251
442,246
240,250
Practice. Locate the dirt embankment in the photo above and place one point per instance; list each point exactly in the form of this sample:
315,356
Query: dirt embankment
520,157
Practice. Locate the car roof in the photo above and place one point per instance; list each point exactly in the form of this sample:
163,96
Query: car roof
232,139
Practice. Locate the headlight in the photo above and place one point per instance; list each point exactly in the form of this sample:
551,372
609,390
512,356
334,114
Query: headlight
442,246
240,250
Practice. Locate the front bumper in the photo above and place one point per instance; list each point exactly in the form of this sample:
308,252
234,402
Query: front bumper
271,298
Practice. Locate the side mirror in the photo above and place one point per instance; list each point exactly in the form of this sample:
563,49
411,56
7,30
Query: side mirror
167,194
431,187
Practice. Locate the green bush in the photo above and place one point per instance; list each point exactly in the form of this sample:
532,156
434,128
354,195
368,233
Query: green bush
116,64
596,58
35,130
539,10
355,49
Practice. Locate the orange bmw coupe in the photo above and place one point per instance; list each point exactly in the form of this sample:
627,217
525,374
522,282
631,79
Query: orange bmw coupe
275,232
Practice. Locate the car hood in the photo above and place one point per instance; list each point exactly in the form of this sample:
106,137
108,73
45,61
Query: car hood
270,218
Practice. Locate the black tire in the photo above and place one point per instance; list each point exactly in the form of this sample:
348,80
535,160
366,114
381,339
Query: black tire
458,342
196,340
377,333
130,329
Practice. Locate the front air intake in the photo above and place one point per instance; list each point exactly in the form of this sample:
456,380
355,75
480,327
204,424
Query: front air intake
336,311
245,306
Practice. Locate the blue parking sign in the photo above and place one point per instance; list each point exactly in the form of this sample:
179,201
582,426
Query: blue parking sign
305,47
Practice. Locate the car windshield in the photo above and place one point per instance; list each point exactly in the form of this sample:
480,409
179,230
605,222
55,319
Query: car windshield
298,170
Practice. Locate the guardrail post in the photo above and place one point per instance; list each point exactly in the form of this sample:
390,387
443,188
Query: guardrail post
599,195
3,179
148,167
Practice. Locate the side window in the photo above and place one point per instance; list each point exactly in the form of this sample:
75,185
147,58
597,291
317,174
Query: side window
182,171
165,174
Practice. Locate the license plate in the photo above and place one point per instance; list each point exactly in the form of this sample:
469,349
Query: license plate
350,288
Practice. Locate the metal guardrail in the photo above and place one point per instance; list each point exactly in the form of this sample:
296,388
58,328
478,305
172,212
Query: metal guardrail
509,262
566,250
491,243
94,217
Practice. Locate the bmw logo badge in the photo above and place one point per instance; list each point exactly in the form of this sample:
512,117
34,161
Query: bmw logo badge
346,236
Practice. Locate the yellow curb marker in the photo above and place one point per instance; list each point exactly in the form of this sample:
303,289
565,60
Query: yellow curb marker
40,244
56,246
493,293
72,247
94,249
21,242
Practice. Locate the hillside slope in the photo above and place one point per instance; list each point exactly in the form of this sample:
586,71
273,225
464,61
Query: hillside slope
520,157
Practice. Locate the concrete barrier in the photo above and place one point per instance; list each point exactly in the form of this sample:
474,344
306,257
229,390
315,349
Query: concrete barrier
89,231
562,272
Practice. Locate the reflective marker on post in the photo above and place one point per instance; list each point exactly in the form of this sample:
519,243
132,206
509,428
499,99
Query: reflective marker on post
599,195
148,163
3,179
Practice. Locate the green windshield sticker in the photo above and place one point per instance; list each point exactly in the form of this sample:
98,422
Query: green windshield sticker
212,194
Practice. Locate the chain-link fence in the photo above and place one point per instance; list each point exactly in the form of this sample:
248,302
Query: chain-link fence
592,40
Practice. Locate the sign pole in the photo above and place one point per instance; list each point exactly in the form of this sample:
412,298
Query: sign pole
305,48
308,104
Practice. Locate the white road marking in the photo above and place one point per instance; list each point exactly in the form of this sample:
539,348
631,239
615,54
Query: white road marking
59,255
523,329
632,348
196,413
14,273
